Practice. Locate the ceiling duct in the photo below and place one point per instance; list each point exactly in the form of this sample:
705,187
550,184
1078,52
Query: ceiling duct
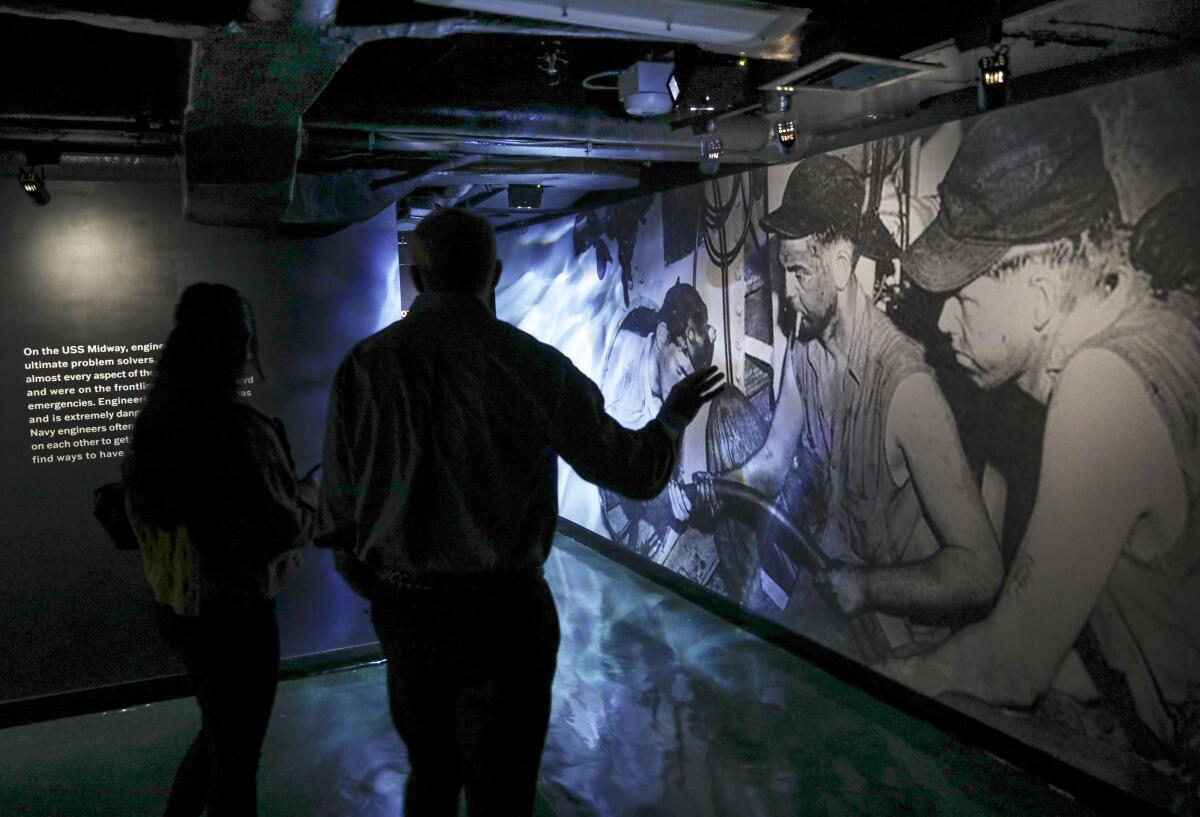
307,12
722,26
241,128
546,173
492,185
544,134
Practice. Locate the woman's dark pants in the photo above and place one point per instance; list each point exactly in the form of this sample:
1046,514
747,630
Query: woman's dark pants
232,662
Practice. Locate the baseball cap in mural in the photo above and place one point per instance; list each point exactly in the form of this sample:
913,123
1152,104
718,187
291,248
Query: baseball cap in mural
1023,175
824,192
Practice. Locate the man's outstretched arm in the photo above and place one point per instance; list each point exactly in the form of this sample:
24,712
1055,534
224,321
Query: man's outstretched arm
634,463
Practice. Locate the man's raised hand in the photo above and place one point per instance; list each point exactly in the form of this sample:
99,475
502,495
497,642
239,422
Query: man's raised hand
691,393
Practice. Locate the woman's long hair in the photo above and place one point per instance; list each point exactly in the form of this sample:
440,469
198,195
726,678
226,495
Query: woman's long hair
170,461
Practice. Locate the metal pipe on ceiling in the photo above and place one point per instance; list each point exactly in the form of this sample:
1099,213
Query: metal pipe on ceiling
318,15
116,22
454,26
98,167
79,139
539,133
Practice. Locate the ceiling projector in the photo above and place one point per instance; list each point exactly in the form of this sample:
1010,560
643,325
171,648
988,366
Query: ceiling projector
645,88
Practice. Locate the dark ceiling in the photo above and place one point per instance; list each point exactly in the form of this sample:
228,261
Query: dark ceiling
325,112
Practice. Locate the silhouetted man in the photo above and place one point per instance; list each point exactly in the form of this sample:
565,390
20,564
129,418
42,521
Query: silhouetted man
440,460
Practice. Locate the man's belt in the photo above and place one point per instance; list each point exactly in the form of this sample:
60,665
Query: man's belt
473,581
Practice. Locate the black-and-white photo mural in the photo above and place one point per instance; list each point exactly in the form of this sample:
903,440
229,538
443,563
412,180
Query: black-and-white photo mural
961,437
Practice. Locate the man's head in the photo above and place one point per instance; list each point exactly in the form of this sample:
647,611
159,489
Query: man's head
1000,320
1166,243
455,251
815,269
1027,231
683,337
821,231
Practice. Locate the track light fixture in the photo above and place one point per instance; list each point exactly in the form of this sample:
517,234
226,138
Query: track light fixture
785,135
994,76
710,153
34,184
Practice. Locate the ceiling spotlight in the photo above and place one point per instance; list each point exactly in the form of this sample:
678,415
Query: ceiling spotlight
710,153
34,184
785,135
994,79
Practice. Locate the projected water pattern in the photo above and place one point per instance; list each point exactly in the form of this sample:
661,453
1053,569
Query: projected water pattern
659,709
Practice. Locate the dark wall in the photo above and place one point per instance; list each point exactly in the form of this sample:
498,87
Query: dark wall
104,264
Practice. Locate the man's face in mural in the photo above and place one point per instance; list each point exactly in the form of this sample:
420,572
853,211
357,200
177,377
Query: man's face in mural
990,323
679,357
809,285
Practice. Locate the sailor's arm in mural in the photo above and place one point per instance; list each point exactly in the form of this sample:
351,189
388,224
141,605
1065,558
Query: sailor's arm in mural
1111,482
767,469
965,572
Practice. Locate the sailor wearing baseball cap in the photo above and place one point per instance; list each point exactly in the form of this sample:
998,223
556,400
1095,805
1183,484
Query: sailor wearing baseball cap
858,399
1026,175
1042,294
1028,222
824,194
821,210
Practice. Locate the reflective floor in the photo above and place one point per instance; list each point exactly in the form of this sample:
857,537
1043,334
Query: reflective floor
660,709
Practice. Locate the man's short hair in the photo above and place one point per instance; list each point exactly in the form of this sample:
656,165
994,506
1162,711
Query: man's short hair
681,307
1079,259
455,250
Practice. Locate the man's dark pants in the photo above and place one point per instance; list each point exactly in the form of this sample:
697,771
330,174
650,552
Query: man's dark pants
470,666
232,662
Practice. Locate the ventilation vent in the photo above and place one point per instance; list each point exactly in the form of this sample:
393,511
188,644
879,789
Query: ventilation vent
848,72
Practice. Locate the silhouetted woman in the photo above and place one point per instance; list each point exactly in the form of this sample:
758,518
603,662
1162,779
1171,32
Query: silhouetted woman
218,514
